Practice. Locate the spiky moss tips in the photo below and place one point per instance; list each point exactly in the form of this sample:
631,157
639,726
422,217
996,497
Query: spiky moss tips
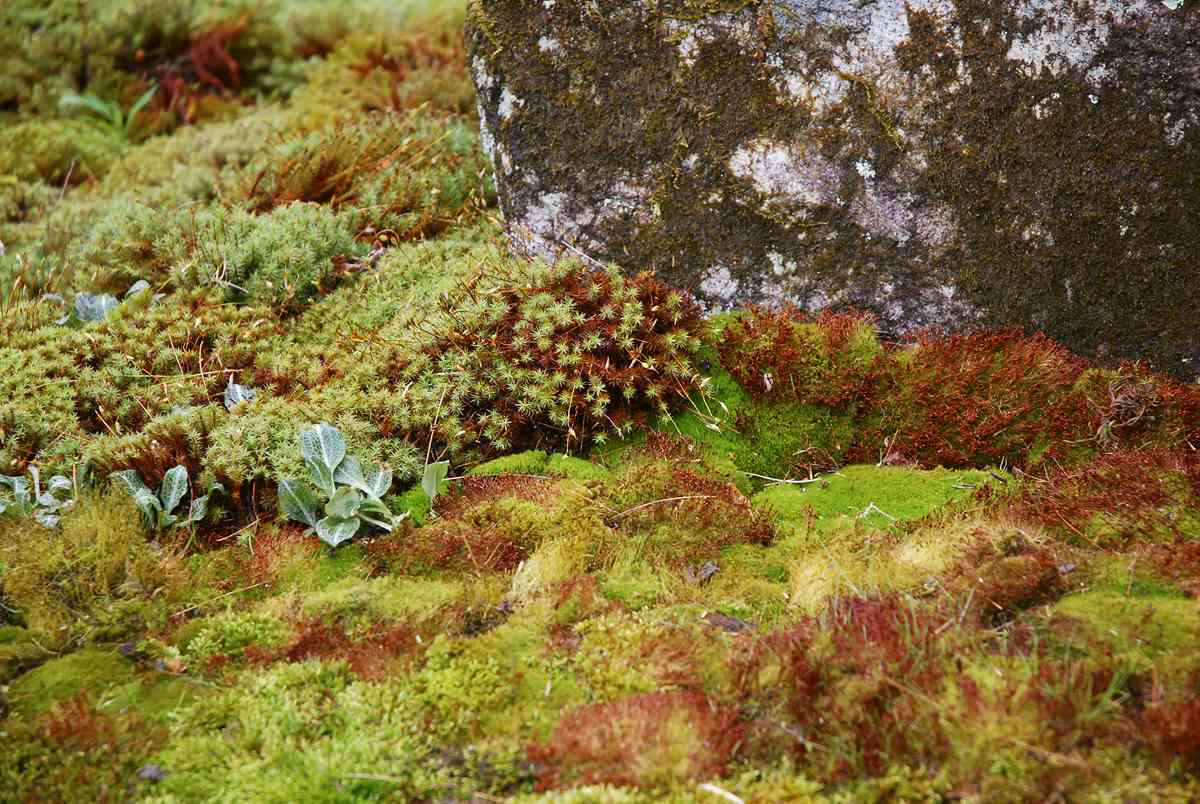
229,635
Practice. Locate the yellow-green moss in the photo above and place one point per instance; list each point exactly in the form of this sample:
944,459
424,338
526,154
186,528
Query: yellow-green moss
1144,626
536,462
96,577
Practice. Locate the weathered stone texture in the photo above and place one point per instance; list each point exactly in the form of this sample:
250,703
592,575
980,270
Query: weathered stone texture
936,161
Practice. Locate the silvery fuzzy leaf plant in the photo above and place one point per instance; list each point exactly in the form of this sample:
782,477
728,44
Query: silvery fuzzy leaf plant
26,499
352,496
94,307
435,473
158,510
236,394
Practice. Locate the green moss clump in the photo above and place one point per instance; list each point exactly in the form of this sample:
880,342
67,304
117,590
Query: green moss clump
530,462
536,462
633,583
296,731
788,437
415,502
411,175
145,360
844,497
282,259
1149,627
258,444
30,422
18,652
231,634
415,600
94,672
574,468
54,151
95,577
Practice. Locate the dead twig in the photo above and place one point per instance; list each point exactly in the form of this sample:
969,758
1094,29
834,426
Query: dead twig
219,597
660,502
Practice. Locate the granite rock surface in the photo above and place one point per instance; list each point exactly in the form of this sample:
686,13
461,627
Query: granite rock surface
939,162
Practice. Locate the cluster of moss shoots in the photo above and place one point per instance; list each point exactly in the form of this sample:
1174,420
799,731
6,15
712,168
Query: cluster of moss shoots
759,555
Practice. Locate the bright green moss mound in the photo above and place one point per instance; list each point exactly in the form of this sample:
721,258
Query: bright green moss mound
536,462
874,495
107,679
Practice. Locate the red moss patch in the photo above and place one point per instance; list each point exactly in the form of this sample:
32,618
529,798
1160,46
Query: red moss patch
1118,498
969,399
772,354
977,399
1007,585
77,753
468,492
1172,730
645,740
860,680
371,656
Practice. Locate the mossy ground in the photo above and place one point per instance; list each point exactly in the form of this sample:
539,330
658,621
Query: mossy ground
950,569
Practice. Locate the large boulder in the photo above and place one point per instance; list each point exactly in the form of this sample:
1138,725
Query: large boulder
940,162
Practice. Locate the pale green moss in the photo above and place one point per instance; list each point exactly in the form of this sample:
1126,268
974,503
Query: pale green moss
230,634
574,468
553,562
536,462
